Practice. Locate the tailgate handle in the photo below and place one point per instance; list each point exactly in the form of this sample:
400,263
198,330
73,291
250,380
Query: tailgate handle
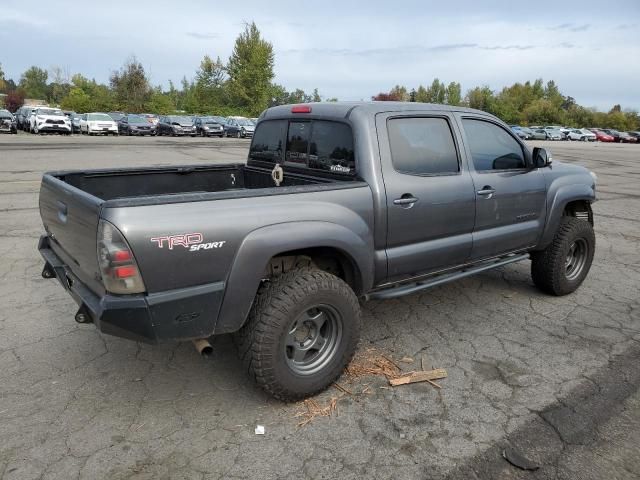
62,212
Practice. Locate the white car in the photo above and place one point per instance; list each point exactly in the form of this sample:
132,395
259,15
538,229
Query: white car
98,124
47,120
581,134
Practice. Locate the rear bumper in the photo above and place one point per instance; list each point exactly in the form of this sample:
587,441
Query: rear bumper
180,314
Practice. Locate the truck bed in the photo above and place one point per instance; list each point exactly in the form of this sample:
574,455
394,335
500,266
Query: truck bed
145,182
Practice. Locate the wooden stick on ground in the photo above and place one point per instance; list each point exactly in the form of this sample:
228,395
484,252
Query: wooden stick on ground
414,377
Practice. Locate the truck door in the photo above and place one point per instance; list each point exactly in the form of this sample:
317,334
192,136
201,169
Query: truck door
429,194
510,196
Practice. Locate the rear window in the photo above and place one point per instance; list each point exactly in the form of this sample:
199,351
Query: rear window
267,144
315,144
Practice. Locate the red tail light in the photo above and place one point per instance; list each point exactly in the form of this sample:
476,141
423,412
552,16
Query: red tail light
120,273
124,272
121,255
301,109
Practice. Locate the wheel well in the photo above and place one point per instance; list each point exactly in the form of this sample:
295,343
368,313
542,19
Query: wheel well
579,209
328,259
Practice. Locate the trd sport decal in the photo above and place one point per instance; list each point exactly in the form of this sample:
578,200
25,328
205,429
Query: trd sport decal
192,241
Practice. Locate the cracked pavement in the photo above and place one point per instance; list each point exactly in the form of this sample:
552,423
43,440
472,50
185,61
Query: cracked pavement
555,378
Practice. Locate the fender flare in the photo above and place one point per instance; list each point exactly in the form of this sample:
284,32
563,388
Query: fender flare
257,249
563,196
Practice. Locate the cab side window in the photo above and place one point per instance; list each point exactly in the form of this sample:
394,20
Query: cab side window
492,148
422,146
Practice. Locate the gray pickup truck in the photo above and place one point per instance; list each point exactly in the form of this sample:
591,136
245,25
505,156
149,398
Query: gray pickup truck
338,202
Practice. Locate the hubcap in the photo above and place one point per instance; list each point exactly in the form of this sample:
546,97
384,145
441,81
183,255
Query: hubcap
576,259
312,339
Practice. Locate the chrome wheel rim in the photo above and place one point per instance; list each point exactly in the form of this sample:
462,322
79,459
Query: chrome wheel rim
576,259
312,339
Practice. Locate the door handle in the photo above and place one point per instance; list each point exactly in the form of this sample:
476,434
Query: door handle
407,200
486,192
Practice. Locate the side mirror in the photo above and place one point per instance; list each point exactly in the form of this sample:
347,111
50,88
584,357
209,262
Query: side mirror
541,158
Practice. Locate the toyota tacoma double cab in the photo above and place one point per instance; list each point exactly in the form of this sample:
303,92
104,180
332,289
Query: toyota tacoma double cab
337,203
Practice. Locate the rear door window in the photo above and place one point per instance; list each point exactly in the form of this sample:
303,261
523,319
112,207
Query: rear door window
422,146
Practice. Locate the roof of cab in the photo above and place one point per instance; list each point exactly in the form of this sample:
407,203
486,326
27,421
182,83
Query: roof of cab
343,109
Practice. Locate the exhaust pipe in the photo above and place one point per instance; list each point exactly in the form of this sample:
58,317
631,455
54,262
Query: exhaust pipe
203,347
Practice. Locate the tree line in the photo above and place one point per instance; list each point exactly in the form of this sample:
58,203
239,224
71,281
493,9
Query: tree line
529,103
244,85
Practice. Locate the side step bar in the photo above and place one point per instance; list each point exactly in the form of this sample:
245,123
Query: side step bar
399,291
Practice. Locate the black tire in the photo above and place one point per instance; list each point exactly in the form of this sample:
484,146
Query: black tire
561,268
280,306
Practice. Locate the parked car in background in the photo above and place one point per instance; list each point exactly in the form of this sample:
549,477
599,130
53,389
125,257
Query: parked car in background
538,134
117,116
22,118
581,134
208,127
614,133
175,125
8,122
29,114
625,137
152,118
98,124
635,135
602,136
132,124
50,120
240,127
520,132
555,134
75,120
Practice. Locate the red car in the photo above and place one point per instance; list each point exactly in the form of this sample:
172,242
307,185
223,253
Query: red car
602,136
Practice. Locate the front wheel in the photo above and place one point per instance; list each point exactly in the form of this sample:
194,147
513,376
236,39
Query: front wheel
561,268
301,333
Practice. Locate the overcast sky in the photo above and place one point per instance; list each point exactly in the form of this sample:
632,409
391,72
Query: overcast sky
349,50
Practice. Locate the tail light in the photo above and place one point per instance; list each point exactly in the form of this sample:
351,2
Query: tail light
120,273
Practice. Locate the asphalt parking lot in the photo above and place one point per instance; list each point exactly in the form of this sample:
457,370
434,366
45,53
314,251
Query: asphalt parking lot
554,378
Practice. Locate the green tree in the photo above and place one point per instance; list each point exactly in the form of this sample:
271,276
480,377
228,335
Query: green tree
77,100
454,93
131,86
250,70
399,93
59,86
209,84
3,83
422,95
160,103
481,98
437,92
34,83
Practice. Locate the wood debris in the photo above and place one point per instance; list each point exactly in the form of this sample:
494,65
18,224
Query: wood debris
419,376
407,360
312,410
371,362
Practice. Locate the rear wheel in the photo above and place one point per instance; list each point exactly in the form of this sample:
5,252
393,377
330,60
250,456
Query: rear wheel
561,268
301,332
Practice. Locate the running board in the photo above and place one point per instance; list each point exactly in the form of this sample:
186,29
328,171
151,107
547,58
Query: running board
399,291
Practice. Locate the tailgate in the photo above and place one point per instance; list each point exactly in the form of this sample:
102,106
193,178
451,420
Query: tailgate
70,217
